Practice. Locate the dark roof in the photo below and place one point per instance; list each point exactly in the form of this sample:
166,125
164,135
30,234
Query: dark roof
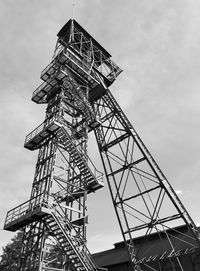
111,257
154,236
66,28
150,247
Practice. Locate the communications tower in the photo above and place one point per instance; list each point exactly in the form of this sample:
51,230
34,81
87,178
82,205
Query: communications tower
75,89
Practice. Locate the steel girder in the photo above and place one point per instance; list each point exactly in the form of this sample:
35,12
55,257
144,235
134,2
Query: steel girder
143,199
54,219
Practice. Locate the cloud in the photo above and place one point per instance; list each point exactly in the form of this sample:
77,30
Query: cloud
155,43
178,192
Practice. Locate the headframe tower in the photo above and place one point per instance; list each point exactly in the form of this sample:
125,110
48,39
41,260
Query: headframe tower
75,89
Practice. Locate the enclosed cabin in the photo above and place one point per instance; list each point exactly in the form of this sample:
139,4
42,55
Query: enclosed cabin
78,54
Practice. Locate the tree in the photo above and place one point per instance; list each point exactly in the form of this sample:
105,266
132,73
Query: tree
10,258
11,254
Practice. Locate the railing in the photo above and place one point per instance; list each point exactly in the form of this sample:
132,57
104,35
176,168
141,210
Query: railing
76,240
101,61
50,68
86,68
97,174
55,63
26,207
59,211
41,87
61,59
98,180
107,68
39,129
35,132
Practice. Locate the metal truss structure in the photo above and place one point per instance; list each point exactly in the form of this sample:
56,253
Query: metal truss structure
75,89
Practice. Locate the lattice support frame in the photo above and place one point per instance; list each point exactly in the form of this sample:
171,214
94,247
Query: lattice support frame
143,199
75,89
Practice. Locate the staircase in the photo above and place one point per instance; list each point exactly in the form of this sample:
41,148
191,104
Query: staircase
82,101
93,180
69,240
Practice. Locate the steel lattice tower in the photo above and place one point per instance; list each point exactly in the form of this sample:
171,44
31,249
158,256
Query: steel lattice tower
75,89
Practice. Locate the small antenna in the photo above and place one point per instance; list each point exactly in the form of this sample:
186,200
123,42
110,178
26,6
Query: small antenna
73,9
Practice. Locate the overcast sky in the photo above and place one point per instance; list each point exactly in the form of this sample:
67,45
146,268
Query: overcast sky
156,43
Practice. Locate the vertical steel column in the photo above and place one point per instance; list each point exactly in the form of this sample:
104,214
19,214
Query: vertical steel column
34,233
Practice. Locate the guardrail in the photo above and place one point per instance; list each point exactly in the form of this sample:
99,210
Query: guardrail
77,242
98,174
35,132
44,86
87,68
40,128
28,206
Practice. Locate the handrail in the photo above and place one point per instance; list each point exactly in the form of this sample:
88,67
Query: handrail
24,208
35,132
56,61
40,87
107,68
84,252
47,67
39,128
97,174
87,69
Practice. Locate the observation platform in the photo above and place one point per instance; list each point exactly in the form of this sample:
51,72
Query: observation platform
53,75
74,36
83,57
37,136
25,213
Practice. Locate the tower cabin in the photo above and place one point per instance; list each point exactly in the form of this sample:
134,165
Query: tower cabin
78,53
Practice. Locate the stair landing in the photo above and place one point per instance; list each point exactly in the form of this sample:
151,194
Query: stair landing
24,214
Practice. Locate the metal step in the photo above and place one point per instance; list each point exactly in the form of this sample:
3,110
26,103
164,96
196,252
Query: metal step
81,260
67,243
79,159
